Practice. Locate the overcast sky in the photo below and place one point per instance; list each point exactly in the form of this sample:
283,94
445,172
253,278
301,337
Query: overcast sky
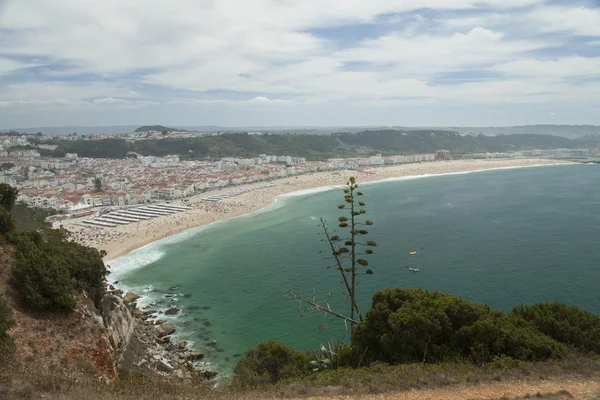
299,62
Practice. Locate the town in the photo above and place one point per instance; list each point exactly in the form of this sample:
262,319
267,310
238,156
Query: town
71,184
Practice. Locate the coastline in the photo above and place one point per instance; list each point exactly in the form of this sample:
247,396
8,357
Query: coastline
124,239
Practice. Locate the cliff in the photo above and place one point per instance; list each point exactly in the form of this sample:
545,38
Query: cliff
91,343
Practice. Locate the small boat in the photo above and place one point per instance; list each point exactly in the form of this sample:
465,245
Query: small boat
415,269
412,253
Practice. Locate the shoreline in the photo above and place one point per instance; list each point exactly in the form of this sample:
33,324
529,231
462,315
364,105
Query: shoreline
124,239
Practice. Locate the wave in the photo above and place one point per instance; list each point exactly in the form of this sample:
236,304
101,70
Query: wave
412,177
139,258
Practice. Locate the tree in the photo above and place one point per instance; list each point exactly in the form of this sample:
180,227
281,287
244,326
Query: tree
414,325
6,165
7,223
347,253
97,185
8,196
269,363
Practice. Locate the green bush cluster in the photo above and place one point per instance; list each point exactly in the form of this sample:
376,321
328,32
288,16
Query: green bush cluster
565,324
414,325
268,363
6,322
48,267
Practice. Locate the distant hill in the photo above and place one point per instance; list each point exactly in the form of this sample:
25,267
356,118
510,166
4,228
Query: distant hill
81,130
159,128
568,131
317,147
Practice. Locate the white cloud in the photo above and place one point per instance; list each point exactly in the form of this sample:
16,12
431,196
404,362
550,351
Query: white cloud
259,52
578,20
7,66
255,100
558,68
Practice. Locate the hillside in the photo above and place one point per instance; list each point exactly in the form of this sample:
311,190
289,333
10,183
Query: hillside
159,128
317,147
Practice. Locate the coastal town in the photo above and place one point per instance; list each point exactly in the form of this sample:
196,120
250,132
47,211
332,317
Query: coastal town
120,204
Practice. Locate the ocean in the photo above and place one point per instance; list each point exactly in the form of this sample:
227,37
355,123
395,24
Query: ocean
502,237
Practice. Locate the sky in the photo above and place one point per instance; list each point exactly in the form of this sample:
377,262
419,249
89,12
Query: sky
299,62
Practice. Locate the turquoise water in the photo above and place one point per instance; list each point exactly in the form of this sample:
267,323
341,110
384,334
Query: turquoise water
501,237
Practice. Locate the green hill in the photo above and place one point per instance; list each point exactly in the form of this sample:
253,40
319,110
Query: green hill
159,128
318,147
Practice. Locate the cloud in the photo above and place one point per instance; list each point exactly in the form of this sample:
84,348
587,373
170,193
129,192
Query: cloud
379,53
255,100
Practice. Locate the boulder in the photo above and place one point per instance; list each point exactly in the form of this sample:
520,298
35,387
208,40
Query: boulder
182,345
160,322
165,329
130,297
196,355
164,366
172,311
208,375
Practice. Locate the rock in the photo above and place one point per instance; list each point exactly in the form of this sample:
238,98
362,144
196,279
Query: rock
137,313
172,311
179,374
149,312
144,365
170,295
182,345
208,375
174,287
130,297
164,329
164,366
160,322
196,355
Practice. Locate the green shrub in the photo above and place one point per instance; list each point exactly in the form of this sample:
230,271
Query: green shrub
41,280
269,363
8,196
7,223
413,325
6,322
49,267
565,324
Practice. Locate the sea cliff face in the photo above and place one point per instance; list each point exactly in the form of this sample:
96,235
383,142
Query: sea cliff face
139,344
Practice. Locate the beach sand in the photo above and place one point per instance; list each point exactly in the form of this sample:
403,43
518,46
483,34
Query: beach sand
125,238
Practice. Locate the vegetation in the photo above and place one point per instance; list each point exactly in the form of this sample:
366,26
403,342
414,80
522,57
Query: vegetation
49,267
269,363
6,322
8,196
566,324
346,256
6,165
97,185
414,325
313,147
159,128
30,218
7,223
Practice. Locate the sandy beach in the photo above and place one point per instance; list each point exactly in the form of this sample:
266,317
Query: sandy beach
123,239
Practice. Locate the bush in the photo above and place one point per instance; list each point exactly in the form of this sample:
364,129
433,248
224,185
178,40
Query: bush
413,325
566,324
6,322
269,363
7,223
49,267
41,280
